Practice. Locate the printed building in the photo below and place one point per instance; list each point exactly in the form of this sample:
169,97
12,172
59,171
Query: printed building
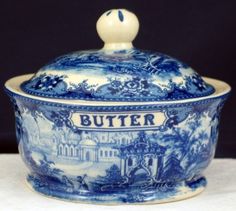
92,146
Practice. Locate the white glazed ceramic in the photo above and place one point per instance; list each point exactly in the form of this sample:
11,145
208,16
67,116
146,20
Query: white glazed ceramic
117,125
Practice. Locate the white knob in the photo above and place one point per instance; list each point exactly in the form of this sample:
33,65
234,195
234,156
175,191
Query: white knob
117,28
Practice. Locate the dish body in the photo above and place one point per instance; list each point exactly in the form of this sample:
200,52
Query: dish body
117,152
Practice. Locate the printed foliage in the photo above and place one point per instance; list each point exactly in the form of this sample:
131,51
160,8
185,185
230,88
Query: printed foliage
133,74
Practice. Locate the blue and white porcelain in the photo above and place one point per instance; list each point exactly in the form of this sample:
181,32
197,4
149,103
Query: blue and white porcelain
117,125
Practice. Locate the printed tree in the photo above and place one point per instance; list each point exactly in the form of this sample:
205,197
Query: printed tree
110,182
113,173
173,169
189,141
46,167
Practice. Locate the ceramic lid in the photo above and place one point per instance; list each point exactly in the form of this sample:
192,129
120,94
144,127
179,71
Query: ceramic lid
118,71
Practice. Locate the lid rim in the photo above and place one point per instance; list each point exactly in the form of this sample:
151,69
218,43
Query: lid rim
13,86
133,99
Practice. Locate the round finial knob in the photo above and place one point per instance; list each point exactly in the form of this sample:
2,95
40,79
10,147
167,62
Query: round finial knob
117,28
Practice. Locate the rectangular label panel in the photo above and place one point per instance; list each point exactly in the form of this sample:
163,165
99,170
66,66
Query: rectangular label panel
121,121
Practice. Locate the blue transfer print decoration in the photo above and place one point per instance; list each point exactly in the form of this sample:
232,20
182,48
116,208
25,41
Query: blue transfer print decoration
128,75
108,13
121,16
119,166
152,150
